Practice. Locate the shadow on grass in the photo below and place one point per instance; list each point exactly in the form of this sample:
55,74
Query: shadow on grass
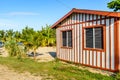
31,54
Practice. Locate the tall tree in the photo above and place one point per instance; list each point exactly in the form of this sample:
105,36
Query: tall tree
114,4
30,39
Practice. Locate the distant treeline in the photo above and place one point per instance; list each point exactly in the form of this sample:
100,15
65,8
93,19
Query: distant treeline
44,37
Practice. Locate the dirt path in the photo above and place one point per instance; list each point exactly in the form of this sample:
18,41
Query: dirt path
7,74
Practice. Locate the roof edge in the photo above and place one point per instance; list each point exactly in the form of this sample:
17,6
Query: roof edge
69,13
86,11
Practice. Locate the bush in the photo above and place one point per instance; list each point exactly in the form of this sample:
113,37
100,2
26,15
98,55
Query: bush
14,49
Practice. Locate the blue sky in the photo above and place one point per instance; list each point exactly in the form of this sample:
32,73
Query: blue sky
16,14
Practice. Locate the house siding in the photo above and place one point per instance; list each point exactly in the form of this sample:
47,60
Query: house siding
103,59
119,44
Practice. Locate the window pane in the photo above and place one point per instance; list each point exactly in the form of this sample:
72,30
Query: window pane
70,38
89,38
64,39
99,38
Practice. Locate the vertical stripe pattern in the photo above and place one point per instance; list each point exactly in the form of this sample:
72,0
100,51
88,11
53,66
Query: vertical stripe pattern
104,59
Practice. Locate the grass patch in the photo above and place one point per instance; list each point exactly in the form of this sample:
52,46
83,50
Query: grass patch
51,70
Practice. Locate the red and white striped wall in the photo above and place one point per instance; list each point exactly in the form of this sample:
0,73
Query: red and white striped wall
103,59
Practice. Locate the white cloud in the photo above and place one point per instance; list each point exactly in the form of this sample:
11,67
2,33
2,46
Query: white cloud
8,24
21,14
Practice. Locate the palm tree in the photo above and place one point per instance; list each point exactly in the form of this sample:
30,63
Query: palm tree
49,35
35,42
30,39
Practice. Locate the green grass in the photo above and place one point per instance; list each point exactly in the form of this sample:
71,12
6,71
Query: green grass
54,70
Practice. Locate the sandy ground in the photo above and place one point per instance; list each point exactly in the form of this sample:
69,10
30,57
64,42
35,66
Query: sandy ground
3,52
45,54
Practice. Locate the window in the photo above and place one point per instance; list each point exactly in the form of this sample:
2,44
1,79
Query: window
67,38
64,37
89,38
94,37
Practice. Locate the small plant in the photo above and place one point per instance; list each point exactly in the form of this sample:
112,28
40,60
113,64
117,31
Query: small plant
118,76
14,49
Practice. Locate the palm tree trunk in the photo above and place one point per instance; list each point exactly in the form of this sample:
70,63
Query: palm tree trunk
34,54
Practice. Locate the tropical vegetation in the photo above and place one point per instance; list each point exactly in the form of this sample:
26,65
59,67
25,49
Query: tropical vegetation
114,4
29,38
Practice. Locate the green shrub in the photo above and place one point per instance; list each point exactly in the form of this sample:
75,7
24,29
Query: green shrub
14,49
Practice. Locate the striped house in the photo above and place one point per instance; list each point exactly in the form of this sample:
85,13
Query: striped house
90,38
